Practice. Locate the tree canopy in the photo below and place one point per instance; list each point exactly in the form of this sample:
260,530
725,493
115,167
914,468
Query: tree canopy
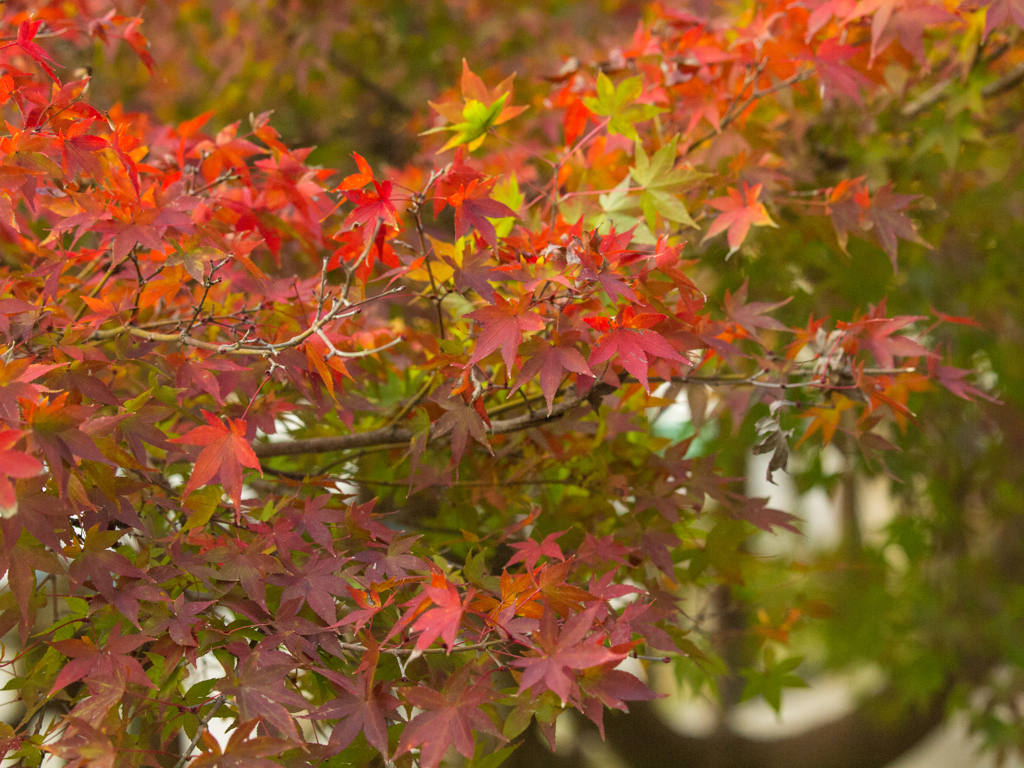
417,450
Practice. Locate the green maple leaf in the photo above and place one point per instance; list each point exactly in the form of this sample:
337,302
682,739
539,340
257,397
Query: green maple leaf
771,682
484,109
620,211
619,104
478,119
661,182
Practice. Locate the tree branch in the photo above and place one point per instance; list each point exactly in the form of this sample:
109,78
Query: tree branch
187,752
264,349
396,434
735,112
383,95
939,91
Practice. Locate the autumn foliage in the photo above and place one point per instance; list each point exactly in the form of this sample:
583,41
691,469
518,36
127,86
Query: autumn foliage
379,441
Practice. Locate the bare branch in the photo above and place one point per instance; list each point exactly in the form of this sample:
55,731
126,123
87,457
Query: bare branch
1004,83
265,349
940,91
410,651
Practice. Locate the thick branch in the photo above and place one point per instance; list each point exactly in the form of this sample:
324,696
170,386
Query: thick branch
384,96
1004,83
940,91
396,434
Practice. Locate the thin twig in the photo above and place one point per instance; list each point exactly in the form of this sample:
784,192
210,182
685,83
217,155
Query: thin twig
359,262
333,351
226,176
264,348
187,753
417,202
96,289
420,394
734,113
357,648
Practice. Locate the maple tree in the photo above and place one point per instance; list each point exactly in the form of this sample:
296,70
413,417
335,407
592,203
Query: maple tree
397,467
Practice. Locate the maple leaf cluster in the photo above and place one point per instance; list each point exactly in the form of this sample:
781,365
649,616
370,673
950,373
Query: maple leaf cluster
231,378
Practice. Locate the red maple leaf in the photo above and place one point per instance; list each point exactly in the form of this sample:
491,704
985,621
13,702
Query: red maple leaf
448,719
370,604
751,315
445,618
89,660
247,564
138,43
133,228
551,360
504,323
905,20
259,691
462,420
998,11
26,33
241,751
459,175
360,706
226,452
475,272
853,209
393,562
82,744
123,142
226,152
15,378
184,616
558,653
14,464
739,212
357,180
530,551
56,429
371,206
605,686
758,513
315,584
878,331
317,516
633,341
355,245
823,10
78,149
473,209
890,224
834,74
953,379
